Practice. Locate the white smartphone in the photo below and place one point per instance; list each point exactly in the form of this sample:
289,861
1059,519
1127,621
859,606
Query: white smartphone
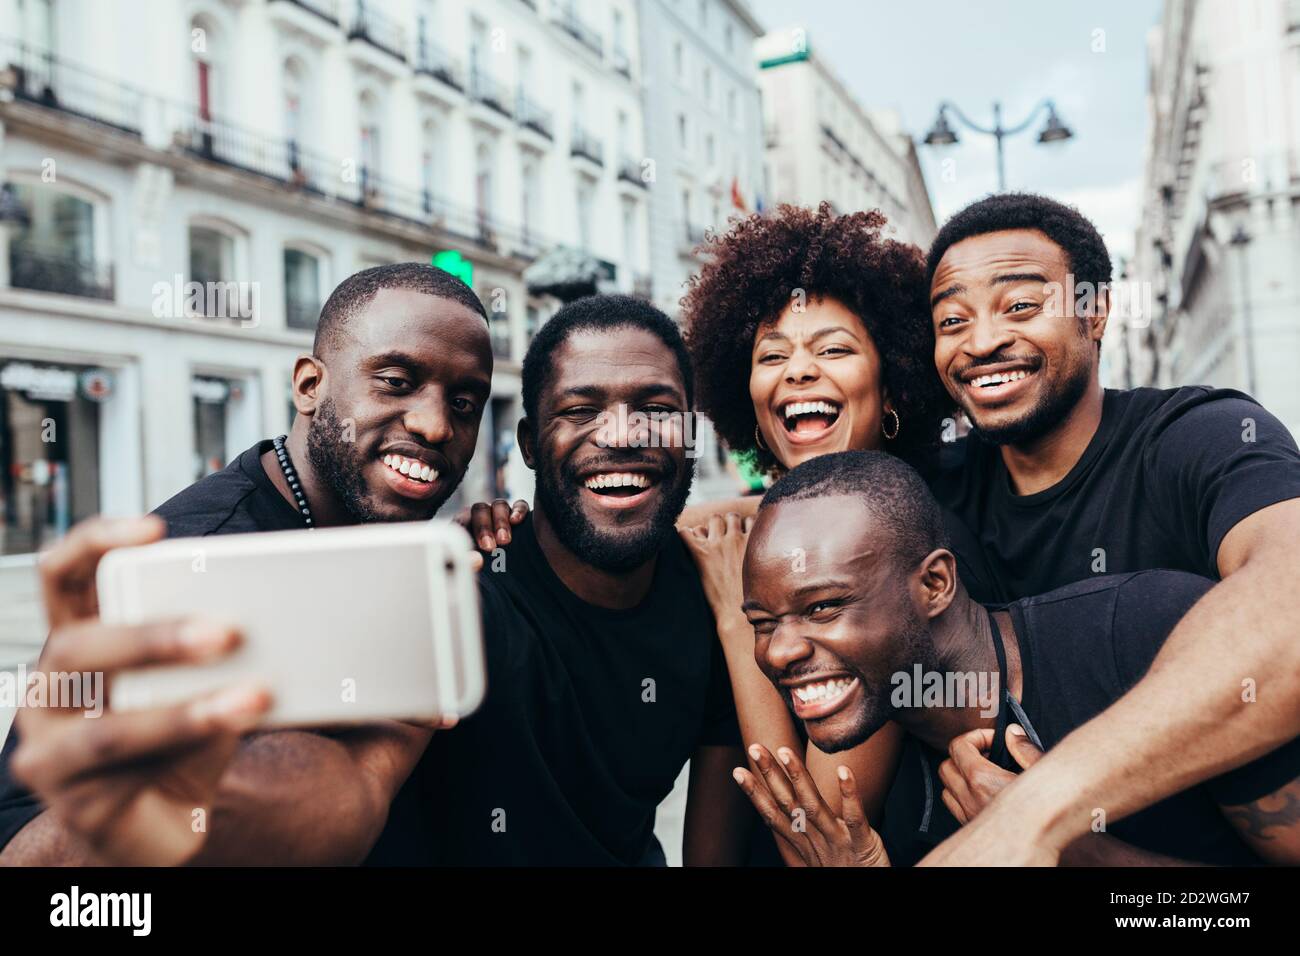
343,625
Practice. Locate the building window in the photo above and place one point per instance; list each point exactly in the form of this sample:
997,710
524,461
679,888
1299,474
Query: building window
682,133
729,39
57,249
226,420
708,86
214,266
731,107
710,151
303,281
370,136
679,61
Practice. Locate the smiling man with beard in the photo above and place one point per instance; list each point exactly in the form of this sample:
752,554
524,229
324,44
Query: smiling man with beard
389,403
604,676
1063,480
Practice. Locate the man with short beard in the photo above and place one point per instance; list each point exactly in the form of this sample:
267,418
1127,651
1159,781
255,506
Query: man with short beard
1063,480
604,676
389,403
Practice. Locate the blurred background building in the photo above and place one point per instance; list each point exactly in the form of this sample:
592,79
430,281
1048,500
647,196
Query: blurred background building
823,143
1219,237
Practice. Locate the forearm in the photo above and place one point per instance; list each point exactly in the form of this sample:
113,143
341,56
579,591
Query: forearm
302,798
1190,718
1102,849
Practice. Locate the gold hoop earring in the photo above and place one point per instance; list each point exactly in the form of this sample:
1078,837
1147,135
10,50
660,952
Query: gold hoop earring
758,440
897,425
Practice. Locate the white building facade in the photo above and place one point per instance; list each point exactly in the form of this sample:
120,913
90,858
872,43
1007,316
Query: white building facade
270,148
1219,238
822,143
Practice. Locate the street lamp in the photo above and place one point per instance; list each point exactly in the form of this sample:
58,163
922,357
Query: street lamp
942,133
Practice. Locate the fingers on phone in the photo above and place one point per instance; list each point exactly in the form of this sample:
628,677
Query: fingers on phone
78,747
91,647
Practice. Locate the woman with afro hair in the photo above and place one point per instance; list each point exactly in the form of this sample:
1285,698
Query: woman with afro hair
810,333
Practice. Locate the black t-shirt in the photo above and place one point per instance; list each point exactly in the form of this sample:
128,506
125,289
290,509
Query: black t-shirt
1081,648
589,717
237,499
1167,475
571,742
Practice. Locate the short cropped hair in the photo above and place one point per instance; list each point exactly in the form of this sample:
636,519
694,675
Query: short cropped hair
1085,252
357,290
598,313
892,490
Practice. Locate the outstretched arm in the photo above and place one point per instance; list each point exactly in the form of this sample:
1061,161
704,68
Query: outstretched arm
1224,690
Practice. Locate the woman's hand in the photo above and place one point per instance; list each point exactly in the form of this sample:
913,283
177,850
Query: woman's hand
718,548
791,805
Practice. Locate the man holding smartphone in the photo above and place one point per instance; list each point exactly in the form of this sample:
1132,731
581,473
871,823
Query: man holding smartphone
389,404
600,649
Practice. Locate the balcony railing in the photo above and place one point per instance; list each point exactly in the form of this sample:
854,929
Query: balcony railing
433,60
484,88
42,78
373,27
582,143
568,20
621,62
529,114
629,170
46,269
327,10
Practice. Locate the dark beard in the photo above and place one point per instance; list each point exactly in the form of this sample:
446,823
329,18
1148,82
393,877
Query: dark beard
339,463
558,495
1043,417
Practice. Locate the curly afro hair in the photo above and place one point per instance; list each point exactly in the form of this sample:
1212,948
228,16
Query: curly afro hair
1085,252
748,281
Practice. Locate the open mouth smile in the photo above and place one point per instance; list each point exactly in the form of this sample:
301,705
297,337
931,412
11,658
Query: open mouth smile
620,489
410,477
820,698
987,388
809,420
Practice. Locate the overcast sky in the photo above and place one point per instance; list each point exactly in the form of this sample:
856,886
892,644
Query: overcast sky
908,56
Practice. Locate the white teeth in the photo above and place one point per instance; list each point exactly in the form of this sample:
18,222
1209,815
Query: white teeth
828,690
998,378
618,479
810,408
411,468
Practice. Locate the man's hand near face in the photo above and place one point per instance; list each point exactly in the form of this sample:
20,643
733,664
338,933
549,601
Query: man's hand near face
134,788
789,802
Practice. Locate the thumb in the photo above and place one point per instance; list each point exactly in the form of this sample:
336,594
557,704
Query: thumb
1021,748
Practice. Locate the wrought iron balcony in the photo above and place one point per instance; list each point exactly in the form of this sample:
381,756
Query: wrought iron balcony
41,78
484,88
567,19
582,143
327,10
432,60
629,170
531,115
373,27
53,269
